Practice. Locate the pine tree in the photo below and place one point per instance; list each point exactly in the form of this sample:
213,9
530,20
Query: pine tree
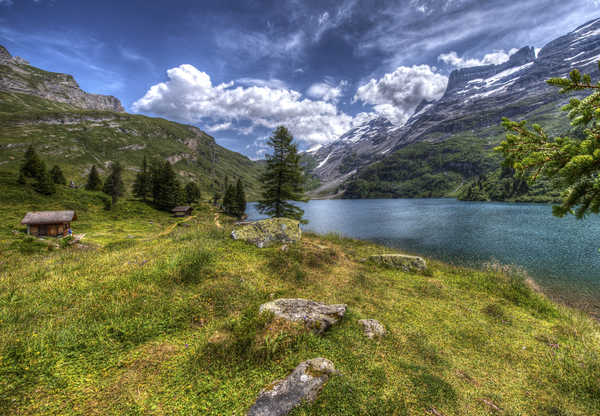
32,166
142,187
57,175
240,199
44,184
192,193
572,163
166,190
216,198
283,179
94,183
229,200
113,185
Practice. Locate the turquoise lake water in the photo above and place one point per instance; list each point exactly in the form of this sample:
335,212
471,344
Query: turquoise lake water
561,254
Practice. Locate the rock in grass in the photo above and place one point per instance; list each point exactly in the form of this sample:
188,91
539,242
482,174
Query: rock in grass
316,316
302,385
400,261
267,232
372,328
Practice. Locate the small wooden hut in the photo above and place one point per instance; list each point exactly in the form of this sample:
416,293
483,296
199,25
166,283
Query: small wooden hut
182,211
49,223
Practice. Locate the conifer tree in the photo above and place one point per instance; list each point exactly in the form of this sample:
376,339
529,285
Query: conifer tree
113,185
57,175
166,190
192,192
44,184
572,163
216,198
229,200
142,186
283,179
32,166
240,199
94,183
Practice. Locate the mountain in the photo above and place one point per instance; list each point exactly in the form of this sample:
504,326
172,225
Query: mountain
471,110
76,130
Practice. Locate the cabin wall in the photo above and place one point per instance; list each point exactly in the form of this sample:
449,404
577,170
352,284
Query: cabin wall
51,230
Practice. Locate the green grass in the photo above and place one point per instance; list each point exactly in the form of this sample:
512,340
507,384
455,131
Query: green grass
141,321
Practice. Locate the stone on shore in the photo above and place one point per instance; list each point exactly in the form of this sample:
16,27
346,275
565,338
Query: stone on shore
316,316
302,385
372,328
400,261
267,232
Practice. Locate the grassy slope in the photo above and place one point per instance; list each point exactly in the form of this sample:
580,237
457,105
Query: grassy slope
126,138
147,322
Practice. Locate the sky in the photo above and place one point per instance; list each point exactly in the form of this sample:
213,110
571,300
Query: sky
238,69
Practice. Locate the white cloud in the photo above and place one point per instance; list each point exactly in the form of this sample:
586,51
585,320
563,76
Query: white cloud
494,58
189,95
219,127
271,83
326,91
397,94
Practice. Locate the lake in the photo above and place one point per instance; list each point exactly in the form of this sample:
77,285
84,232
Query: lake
561,254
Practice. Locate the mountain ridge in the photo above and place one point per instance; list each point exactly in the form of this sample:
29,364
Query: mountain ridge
473,105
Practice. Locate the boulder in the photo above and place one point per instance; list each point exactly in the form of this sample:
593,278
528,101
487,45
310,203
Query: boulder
264,233
372,328
302,385
316,316
401,261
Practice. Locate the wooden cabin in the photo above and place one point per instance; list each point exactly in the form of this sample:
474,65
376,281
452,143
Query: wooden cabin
182,211
49,223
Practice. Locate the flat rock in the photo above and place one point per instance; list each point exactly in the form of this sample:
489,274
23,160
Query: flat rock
302,385
372,328
267,232
400,261
316,316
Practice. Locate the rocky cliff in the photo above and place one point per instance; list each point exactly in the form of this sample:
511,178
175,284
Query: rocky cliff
475,101
17,76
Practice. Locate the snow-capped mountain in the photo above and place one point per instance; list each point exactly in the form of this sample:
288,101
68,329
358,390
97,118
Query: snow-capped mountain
475,98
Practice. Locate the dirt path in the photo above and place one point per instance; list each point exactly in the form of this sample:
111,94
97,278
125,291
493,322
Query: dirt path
172,226
217,223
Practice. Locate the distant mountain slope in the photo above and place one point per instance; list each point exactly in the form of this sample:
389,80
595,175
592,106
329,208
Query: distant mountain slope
475,101
81,130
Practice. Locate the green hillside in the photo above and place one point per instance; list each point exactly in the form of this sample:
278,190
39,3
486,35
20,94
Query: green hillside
149,318
462,165
76,139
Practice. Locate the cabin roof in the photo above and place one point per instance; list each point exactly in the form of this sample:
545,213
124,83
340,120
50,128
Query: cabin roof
181,208
49,217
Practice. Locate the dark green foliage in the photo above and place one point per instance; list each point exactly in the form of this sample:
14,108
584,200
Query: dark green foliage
234,201
216,198
44,184
283,179
166,190
194,266
114,186
240,197
572,161
192,193
94,183
142,186
57,176
32,166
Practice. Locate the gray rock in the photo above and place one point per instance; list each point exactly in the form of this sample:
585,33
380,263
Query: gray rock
268,232
303,385
316,316
372,328
24,79
400,261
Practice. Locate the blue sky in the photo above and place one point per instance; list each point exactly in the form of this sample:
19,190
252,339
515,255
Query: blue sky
239,68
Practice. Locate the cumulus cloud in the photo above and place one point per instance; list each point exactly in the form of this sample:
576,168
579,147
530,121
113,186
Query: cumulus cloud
494,58
326,91
397,94
189,95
